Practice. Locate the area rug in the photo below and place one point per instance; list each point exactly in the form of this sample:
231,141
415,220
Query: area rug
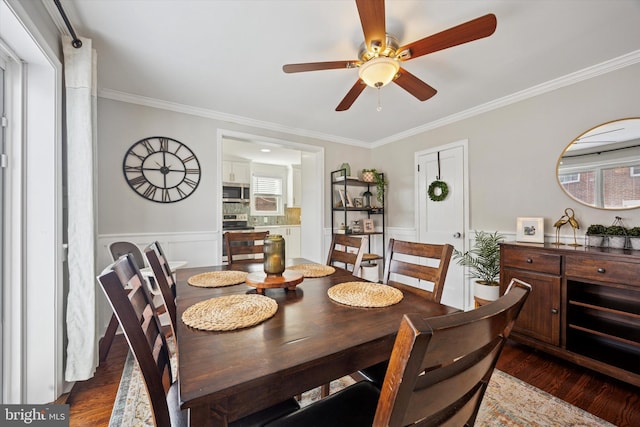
507,402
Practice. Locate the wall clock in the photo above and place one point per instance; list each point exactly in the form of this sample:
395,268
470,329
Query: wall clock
161,169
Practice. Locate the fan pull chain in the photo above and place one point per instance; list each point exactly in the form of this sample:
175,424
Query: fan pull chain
379,108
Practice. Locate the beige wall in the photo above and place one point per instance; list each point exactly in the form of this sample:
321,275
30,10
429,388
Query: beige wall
513,153
121,124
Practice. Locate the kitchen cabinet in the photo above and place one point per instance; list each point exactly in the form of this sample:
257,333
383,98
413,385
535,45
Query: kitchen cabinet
236,172
584,305
291,235
344,213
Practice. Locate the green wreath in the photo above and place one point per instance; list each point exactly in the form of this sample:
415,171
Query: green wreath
442,186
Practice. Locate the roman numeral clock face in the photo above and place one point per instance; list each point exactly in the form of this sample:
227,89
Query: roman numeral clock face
161,169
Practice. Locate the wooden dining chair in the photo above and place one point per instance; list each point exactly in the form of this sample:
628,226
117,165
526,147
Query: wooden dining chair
118,249
164,280
244,247
412,260
347,251
438,373
139,321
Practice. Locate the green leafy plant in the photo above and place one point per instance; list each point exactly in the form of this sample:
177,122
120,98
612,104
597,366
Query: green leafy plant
616,230
596,230
483,260
381,183
634,232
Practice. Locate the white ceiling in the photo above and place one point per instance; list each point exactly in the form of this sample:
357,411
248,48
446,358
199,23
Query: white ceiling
223,58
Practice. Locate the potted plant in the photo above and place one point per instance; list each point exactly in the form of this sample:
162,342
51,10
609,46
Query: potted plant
617,236
372,175
595,234
634,237
483,262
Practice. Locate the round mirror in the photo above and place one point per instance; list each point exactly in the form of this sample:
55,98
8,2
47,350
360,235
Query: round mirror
601,167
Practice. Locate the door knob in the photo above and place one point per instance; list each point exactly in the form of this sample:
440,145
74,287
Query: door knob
457,235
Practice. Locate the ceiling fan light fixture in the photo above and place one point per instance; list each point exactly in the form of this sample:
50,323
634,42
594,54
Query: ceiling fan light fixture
378,72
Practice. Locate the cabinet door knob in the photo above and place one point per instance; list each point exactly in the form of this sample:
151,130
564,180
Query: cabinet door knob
554,311
529,261
457,235
601,270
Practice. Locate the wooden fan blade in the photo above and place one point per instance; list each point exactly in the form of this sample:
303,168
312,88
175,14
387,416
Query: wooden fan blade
472,30
372,18
414,85
316,66
353,94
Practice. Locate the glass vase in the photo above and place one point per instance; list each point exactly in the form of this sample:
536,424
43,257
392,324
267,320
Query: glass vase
274,258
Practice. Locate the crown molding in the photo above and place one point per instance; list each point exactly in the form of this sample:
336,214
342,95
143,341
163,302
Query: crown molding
570,79
216,115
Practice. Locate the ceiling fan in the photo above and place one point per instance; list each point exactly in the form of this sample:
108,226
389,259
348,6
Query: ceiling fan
380,55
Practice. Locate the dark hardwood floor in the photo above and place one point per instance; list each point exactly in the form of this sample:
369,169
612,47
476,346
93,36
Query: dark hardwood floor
91,401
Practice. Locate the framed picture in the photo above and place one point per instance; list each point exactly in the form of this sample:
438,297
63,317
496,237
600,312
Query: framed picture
343,199
367,225
349,201
530,230
357,202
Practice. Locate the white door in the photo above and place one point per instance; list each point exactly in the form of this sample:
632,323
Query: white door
445,221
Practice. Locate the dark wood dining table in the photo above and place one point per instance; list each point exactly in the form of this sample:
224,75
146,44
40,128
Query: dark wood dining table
310,341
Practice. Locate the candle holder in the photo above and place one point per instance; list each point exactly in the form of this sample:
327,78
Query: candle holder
274,258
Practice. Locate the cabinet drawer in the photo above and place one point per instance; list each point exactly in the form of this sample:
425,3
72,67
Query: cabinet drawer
526,259
603,270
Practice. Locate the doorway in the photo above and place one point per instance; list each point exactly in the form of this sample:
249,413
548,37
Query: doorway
447,220
311,169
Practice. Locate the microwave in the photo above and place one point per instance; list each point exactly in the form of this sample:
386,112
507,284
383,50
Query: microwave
238,193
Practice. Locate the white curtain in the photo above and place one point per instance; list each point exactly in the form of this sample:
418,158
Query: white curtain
80,82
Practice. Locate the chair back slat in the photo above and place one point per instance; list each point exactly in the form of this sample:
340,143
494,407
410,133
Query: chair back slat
348,251
440,366
132,303
416,260
164,279
249,246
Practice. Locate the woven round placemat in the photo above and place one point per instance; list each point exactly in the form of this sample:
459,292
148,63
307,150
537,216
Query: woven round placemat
313,270
215,279
229,312
365,294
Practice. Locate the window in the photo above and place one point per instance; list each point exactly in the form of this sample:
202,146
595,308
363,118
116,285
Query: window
569,178
635,170
266,196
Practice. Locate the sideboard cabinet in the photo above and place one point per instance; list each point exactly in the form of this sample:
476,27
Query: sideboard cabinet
584,305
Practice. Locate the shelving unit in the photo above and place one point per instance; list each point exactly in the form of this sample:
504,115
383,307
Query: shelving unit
345,214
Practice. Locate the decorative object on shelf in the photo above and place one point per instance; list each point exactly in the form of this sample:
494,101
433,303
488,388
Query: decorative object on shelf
347,169
274,257
634,238
161,169
438,190
355,226
372,175
617,235
558,224
368,225
595,235
367,198
573,222
358,202
483,263
530,230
